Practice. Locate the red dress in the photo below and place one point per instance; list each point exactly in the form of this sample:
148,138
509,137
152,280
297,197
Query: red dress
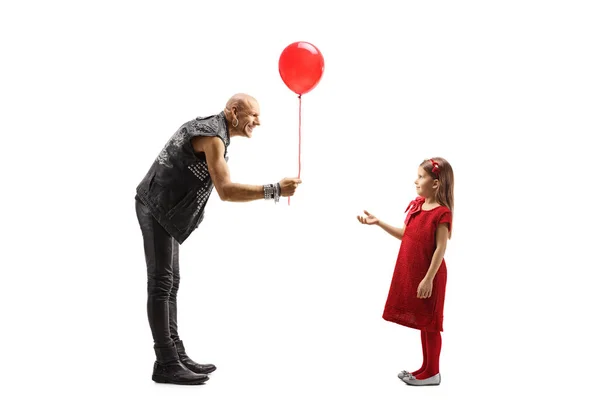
414,258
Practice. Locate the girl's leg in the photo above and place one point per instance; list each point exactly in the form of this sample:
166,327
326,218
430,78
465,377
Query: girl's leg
434,347
424,347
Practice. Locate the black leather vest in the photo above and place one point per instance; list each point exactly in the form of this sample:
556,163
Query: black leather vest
178,185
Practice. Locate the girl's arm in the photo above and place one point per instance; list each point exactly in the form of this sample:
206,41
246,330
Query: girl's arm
398,233
370,219
441,239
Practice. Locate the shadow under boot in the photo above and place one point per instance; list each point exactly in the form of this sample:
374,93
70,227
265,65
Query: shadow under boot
168,369
190,364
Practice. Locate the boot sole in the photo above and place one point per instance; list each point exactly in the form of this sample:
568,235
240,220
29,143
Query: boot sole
159,379
209,371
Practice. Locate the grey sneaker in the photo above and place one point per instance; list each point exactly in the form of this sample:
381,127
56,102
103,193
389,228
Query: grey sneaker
432,381
404,374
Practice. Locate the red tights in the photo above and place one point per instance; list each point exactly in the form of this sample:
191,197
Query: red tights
431,343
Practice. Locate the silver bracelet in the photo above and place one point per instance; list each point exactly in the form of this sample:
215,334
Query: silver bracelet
277,194
272,192
268,191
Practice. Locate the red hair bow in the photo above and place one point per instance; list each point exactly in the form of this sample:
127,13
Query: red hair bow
436,166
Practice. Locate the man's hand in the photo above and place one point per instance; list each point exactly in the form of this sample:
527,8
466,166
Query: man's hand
288,186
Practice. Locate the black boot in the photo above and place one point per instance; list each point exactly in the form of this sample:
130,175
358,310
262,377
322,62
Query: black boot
168,369
191,365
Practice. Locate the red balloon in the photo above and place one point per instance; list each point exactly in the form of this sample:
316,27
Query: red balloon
301,66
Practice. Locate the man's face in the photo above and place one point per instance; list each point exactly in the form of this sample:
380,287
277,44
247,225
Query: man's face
248,118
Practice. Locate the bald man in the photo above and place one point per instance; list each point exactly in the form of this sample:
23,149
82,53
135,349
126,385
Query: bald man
170,203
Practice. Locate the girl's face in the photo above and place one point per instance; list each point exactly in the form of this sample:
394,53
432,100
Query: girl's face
426,185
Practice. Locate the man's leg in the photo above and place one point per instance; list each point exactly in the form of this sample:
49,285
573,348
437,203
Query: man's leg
173,293
158,249
183,357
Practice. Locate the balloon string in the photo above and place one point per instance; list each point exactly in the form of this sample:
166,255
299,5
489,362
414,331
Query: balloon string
299,138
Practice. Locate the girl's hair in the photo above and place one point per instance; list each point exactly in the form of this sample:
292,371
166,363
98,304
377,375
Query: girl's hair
444,174
440,169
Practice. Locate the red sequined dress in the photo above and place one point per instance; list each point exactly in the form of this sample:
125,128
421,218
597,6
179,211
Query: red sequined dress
414,258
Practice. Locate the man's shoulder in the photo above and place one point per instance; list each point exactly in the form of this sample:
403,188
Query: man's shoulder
208,117
212,125
209,124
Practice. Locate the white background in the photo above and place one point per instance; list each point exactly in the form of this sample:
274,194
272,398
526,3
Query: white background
287,300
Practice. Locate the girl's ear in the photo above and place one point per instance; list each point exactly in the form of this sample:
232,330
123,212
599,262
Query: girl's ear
436,183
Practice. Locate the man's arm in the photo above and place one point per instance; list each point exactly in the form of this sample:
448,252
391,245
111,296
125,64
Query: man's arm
214,150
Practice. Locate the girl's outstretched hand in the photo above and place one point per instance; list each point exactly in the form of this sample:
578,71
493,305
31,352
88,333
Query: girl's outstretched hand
370,219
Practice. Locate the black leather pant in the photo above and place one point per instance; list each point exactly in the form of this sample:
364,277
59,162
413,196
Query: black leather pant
162,262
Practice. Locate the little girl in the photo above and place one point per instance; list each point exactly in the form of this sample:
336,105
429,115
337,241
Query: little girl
418,287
